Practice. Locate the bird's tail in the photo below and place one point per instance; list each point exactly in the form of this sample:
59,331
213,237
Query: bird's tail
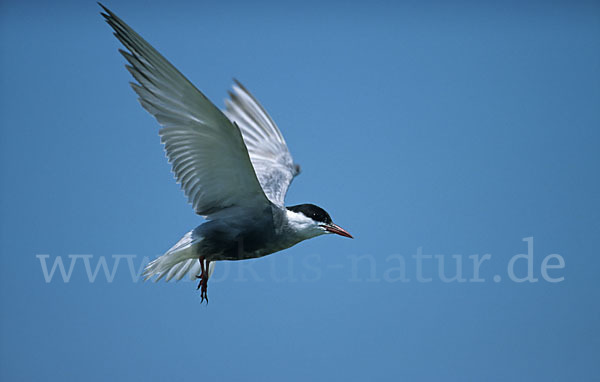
178,261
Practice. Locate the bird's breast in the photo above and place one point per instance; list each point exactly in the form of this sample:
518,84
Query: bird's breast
236,239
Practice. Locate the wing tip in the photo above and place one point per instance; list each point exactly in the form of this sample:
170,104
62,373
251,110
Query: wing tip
107,14
238,83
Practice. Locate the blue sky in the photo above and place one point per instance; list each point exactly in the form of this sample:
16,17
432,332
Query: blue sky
460,129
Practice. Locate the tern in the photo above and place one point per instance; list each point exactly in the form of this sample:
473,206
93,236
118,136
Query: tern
233,165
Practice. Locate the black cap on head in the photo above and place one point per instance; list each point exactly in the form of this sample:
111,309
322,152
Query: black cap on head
314,212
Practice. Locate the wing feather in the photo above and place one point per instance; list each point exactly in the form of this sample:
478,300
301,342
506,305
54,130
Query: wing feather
268,151
205,148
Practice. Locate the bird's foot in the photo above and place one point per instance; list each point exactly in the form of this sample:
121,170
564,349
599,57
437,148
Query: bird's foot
203,286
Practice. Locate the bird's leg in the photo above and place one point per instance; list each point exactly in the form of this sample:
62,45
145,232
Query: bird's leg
202,271
203,284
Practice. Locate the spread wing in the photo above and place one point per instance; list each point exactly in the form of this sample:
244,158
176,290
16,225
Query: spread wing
269,154
205,148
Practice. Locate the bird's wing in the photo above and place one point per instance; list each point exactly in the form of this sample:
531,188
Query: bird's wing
204,147
269,154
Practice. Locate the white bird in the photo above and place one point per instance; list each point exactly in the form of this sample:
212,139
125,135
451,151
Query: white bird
233,165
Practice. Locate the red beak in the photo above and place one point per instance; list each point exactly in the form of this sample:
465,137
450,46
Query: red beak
334,228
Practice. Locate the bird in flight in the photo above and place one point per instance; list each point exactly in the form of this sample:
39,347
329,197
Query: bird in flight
233,165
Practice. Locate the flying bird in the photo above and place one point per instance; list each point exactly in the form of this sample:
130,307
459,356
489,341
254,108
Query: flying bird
233,165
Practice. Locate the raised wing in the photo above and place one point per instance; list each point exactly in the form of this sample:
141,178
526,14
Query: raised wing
269,154
205,148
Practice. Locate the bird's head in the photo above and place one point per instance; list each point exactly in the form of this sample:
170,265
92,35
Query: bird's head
311,221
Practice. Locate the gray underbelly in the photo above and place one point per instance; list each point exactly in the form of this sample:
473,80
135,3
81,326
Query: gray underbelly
227,241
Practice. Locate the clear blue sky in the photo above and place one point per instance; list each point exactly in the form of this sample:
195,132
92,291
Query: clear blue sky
459,129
